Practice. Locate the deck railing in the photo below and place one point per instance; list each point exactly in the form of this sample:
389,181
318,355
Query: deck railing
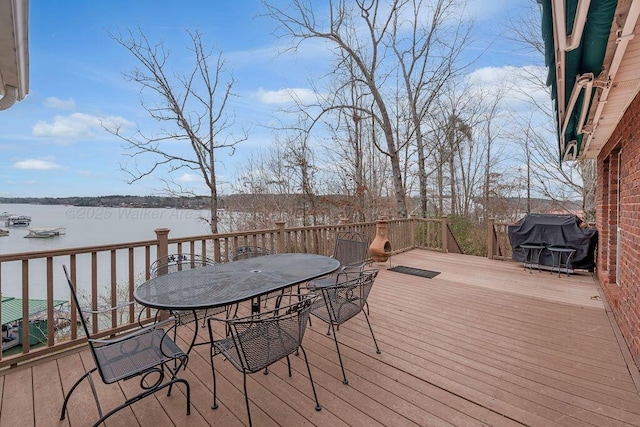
107,275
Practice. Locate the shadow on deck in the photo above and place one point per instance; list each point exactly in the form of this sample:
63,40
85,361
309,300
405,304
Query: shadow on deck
483,343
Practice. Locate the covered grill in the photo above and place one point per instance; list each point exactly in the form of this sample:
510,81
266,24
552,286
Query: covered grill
554,230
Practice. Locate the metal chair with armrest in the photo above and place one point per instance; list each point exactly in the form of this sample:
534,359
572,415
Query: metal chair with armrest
244,252
255,342
143,353
342,301
351,249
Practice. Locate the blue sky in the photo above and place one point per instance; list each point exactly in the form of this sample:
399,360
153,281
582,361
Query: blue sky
52,144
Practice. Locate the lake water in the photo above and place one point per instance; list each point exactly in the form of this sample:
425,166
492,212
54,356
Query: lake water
86,226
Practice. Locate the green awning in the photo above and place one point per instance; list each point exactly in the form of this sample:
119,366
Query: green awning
12,308
588,57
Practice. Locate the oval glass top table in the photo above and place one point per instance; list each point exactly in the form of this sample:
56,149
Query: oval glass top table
230,283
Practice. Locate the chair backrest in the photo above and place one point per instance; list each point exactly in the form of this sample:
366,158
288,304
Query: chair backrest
178,262
92,344
346,299
264,338
351,249
244,252
74,298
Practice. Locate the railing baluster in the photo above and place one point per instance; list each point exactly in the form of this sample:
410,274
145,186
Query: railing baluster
131,283
72,305
25,306
50,318
114,291
94,291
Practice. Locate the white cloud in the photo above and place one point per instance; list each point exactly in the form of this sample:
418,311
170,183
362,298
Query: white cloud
508,75
519,85
281,53
284,96
63,104
114,122
189,177
77,125
36,164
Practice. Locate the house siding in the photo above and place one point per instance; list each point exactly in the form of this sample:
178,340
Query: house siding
618,199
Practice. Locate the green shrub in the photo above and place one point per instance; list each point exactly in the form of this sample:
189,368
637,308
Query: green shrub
470,235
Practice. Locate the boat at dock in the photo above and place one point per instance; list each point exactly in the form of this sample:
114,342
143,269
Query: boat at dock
44,232
17,221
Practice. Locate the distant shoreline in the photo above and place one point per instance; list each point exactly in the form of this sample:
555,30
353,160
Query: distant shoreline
115,201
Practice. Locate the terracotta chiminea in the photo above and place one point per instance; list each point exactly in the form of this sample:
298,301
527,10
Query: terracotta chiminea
380,248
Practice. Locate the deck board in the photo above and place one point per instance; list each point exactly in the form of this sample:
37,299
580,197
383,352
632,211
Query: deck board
47,394
483,343
17,399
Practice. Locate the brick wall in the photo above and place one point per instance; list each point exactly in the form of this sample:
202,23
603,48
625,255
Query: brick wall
618,196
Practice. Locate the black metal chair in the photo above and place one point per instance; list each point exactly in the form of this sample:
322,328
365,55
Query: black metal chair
244,252
342,301
179,262
146,353
255,342
351,249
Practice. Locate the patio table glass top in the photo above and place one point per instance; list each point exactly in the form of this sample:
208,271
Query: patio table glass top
230,283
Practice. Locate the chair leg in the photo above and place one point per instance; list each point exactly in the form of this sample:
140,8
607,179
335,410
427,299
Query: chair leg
371,330
188,394
313,387
176,366
214,405
246,397
146,393
73,388
335,339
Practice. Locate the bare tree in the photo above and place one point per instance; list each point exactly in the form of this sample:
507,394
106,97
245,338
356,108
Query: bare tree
280,182
262,192
299,159
491,131
347,153
362,51
561,182
428,58
191,109
458,132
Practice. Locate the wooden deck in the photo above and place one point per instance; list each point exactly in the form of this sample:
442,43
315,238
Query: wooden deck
483,343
